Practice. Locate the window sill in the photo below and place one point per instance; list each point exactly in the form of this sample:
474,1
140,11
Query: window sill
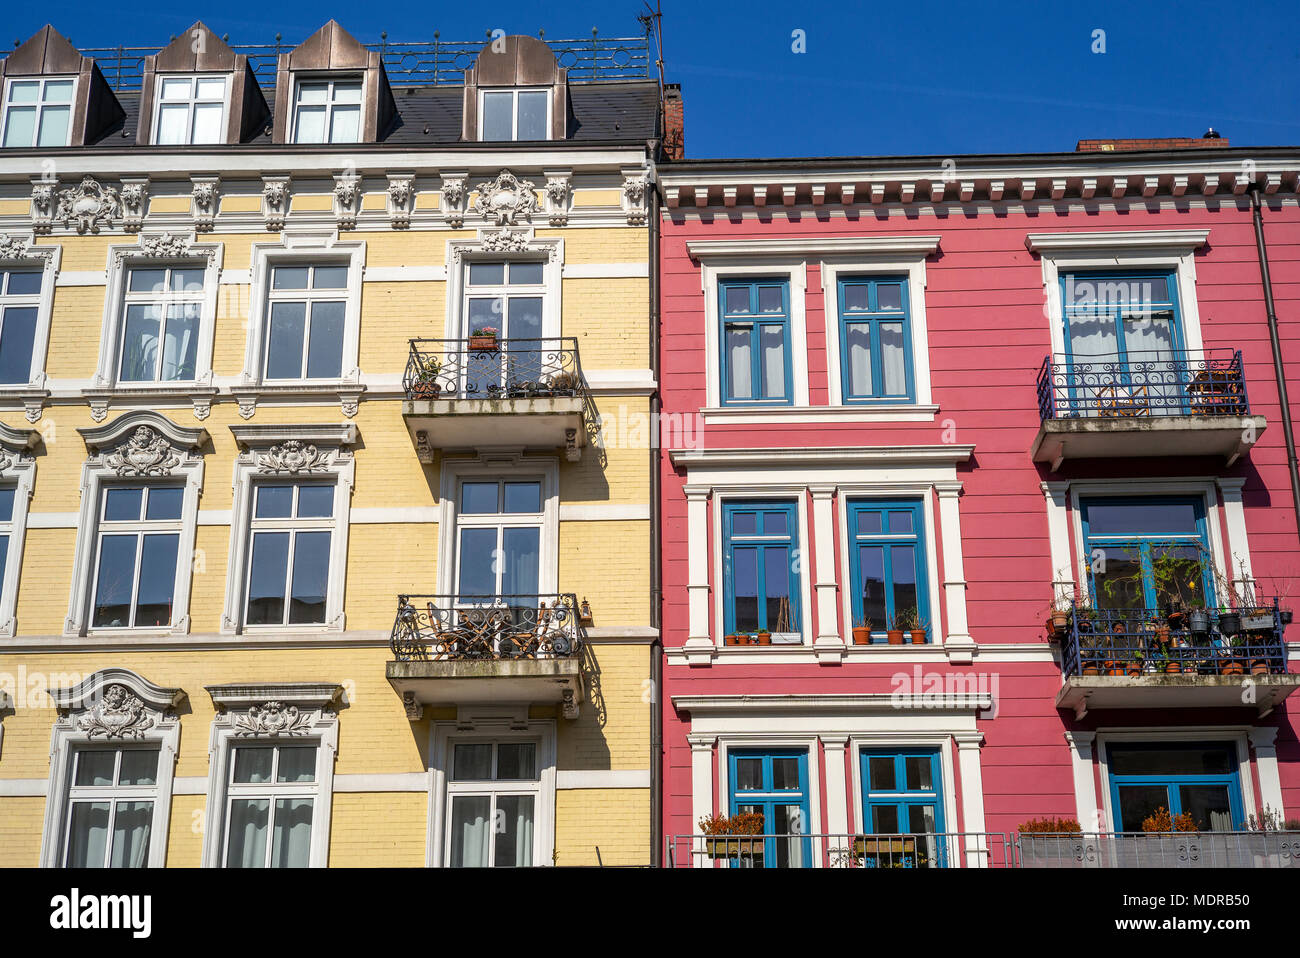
771,415
346,391
199,393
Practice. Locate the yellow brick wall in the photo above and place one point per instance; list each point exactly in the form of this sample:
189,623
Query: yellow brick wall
614,820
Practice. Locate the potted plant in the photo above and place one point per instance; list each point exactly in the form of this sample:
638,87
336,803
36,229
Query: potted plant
763,637
919,629
1050,842
894,629
1160,821
747,825
484,337
861,630
425,383
738,638
563,384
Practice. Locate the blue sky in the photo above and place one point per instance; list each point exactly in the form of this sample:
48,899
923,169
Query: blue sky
876,77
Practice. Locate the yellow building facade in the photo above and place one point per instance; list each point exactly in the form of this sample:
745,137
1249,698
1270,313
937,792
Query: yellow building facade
282,586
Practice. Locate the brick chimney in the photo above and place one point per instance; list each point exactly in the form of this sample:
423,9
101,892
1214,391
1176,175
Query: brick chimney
1211,140
674,122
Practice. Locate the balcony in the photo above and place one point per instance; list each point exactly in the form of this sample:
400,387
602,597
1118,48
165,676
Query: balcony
459,650
1258,849
1142,658
799,850
1149,404
466,393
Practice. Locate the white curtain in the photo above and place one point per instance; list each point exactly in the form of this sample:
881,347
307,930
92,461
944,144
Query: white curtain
292,841
88,834
893,362
738,364
131,825
1150,344
470,815
516,821
858,339
772,341
247,843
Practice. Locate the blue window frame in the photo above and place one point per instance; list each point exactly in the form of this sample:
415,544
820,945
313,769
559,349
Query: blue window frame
1127,327
1198,779
902,794
875,340
888,563
755,342
760,568
1123,538
774,783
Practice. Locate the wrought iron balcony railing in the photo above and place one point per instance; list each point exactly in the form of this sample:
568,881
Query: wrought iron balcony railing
1256,849
1159,383
1134,642
466,627
434,62
800,850
483,367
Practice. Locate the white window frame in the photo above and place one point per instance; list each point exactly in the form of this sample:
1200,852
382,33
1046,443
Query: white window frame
1118,250
139,528
494,788
331,82
122,258
514,109
191,102
102,468
496,723
271,791
74,728
47,259
309,296
331,464
504,466
292,525
18,470
112,795
461,254
40,107
500,521
313,708
301,249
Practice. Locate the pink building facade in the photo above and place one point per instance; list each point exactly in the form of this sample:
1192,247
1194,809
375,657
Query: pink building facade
949,396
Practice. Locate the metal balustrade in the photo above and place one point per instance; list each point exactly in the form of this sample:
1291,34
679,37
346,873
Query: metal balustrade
807,850
1143,384
467,627
483,367
1254,849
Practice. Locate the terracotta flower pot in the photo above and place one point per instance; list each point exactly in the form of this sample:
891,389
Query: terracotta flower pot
895,636
1231,667
764,638
737,638
482,342
1173,668
1058,621
1259,667
1091,668
861,635
918,636
425,390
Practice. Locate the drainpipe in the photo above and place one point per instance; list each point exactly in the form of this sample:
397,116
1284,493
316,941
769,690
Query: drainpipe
656,584
1279,370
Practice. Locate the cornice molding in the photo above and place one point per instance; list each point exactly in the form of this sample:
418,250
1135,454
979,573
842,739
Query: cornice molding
83,695
822,704
123,429
884,455
1117,239
918,246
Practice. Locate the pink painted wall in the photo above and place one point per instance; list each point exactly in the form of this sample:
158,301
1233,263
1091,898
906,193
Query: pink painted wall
988,336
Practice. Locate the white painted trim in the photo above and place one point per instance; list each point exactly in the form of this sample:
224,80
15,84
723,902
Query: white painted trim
404,274
549,251
811,458
1240,573
1058,536
47,257
573,778
1263,740
21,472
1039,652
905,245
380,515
1105,240
795,272
907,738
604,512
381,782
606,271
800,415
1085,782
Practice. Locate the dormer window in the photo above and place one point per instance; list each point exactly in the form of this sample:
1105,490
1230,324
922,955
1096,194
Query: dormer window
522,114
191,110
327,111
38,112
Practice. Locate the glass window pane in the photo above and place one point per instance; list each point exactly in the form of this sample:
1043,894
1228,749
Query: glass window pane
6,503
497,116
311,559
736,299
745,589
893,359
871,567
775,524
132,823
54,126
523,497
772,344
210,88
521,560
857,344
311,124
739,371
516,761
113,585
325,350
246,847
903,560
291,843
1152,517
478,498
869,523
744,523
146,280
157,581
525,274
88,835
317,92
919,769
164,503
749,774
514,839
1209,806
856,295
884,820
889,296
95,766
139,767
770,299
487,274
266,580
1173,760
23,283
470,835
921,819
315,502
1138,802
253,764
345,124
289,277
347,92
1117,577
472,762
525,321
17,337
882,772
532,115
900,521
330,277
175,88
122,504
478,562
785,773
274,502
297,764
207,123
180,343
776,576
25,91
20,125
140,343
173,120
284,340
58,91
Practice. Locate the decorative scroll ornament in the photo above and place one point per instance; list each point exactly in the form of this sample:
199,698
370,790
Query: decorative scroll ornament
506,198
272,718
347,201
634,196
399,191
42,206
146,453
557,192
203,203
118,715
453,198
165,245
135,196
275,203
292,457
13,247
87,204
506,241
401,200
